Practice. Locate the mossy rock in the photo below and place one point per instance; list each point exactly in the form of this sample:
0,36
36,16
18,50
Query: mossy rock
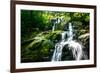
38,49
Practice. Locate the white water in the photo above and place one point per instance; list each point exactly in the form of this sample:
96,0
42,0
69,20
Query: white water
63,36
74,46
58,49
70,33
53,27
76,49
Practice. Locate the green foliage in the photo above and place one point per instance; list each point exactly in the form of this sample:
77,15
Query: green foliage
39,47
37,38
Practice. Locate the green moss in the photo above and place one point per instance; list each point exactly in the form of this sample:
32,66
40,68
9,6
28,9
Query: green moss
39,47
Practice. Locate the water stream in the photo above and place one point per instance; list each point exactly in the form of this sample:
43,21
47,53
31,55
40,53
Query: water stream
74,46
53,27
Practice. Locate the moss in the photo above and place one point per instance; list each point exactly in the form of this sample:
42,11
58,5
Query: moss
38,49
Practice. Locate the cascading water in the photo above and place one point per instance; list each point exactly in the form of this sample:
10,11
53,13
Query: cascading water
70,33
74,46
63,36
53,28
58,48
55,21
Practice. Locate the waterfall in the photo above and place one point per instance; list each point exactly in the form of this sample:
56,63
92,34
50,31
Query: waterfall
63,36
70,33
74,46
58,48
76,49
53,27
55,21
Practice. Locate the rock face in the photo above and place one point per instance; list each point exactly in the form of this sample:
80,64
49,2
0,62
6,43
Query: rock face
85,38
40,48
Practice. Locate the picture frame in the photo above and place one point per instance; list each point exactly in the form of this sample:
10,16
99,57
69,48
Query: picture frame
54,13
